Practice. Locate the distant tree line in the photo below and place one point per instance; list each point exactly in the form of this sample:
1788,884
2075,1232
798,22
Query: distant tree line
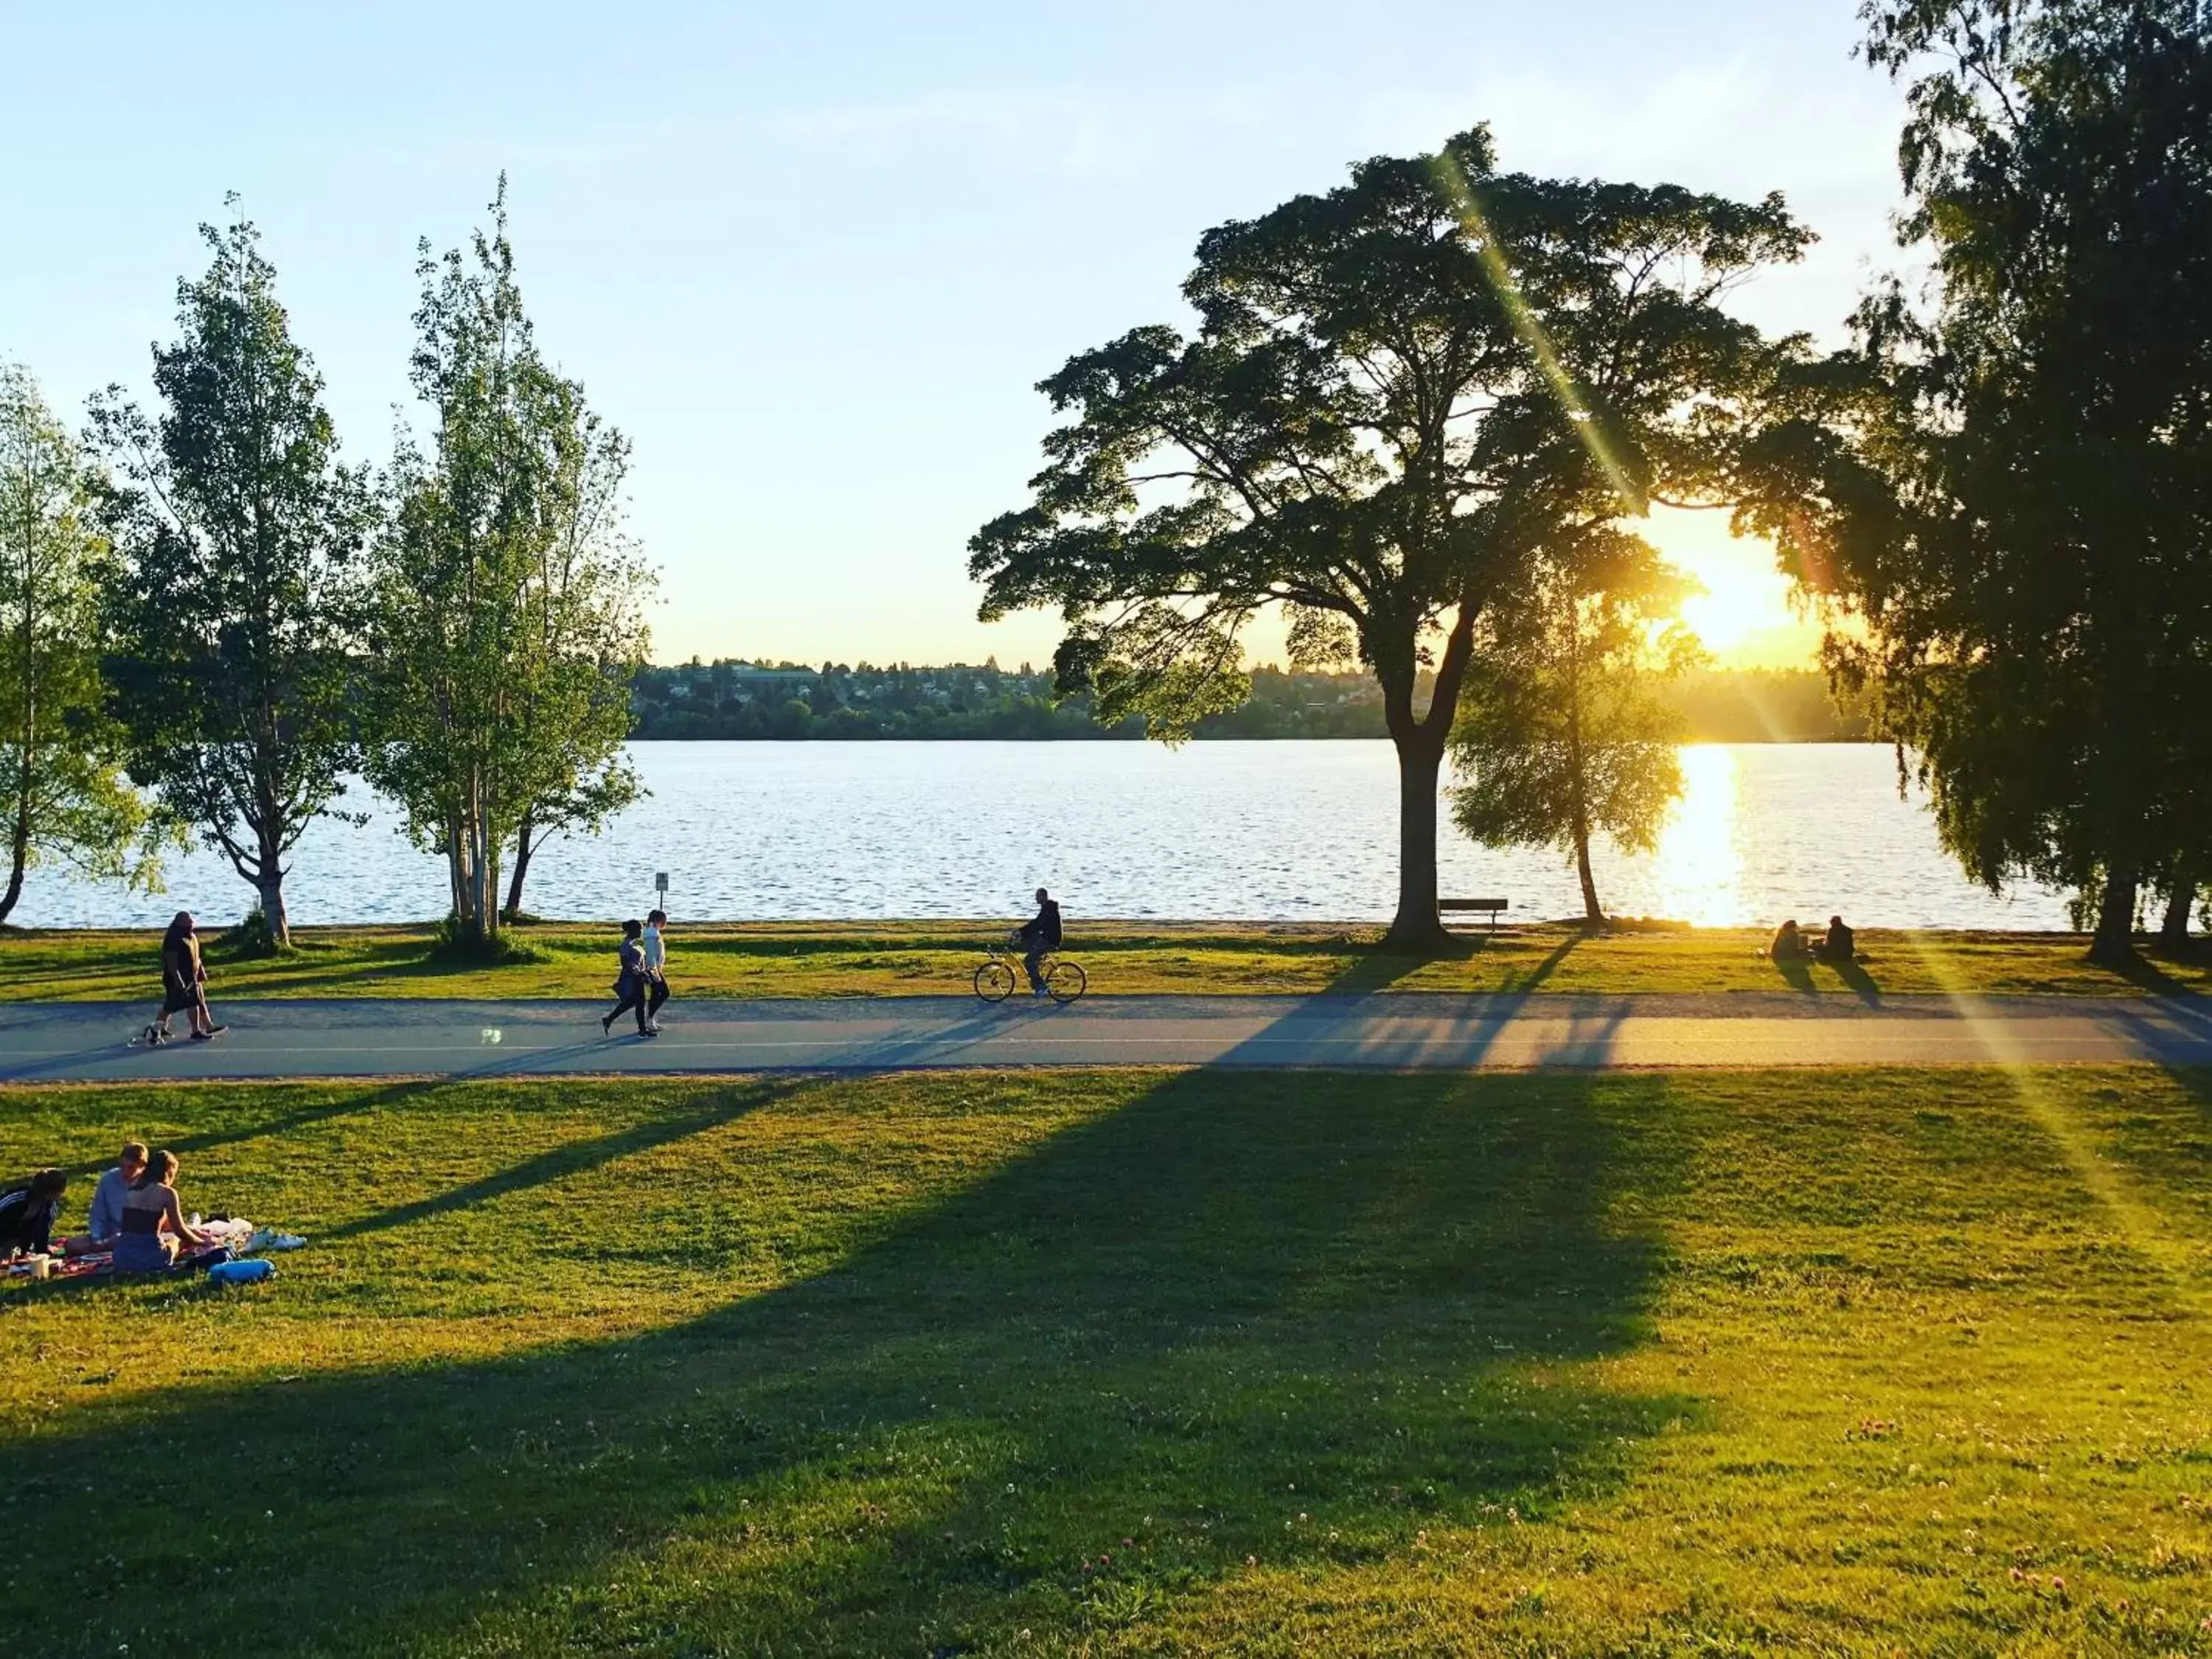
735,700
212,620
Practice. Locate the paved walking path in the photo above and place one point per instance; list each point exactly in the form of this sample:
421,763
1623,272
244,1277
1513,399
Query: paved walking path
1403,1031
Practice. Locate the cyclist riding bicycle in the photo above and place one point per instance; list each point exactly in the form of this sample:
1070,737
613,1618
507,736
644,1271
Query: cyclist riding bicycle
1037,936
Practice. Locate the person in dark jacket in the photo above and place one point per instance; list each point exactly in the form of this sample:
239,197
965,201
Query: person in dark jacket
1838,943
1039,934
184,982
26,1214
632,983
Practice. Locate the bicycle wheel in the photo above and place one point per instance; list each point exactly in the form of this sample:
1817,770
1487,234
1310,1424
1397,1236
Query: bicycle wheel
1064,981
994,982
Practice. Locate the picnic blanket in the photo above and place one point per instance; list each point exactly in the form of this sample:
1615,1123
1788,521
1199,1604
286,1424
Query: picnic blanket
241,1236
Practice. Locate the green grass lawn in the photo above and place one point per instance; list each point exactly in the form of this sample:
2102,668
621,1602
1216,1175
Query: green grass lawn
1138,1362
821,959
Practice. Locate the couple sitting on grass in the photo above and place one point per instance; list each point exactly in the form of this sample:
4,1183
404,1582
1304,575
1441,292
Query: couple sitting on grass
136,1213
643,984
1837,945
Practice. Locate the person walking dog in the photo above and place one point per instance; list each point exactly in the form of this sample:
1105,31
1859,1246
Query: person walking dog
183,983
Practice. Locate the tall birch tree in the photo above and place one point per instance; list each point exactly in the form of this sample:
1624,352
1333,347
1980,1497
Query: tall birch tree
508,612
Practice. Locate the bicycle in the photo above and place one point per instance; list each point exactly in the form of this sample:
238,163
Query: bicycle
996,979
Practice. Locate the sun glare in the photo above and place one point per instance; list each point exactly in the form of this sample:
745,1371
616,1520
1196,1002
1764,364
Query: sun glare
1743,617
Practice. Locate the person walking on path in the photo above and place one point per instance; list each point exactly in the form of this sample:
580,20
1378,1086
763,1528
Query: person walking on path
630,983
184,982
1039,934
655,950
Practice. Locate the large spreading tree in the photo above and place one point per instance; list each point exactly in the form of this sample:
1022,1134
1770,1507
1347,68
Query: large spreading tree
62,791
234,526
1393,394
2010,479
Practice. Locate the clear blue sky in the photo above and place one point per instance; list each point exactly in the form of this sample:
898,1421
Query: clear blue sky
813,258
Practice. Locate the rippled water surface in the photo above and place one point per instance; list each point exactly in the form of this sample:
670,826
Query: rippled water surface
1283,831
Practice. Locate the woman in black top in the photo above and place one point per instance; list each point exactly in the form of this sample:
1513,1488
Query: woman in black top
632,983
26,1214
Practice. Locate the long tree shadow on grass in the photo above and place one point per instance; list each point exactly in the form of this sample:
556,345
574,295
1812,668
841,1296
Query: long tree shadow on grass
1253,1317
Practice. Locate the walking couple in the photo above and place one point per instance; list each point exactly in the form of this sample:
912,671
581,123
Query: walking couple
642,985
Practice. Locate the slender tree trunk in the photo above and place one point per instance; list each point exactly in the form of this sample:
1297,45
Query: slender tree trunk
522,851
19,847
18,850
1593,912
1578,804
459,893
2172,928
2114,940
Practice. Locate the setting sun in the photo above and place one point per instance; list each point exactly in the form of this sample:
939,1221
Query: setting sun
1743,617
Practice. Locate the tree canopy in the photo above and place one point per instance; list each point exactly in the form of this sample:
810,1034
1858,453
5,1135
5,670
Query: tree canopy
235,528
506,621
1394,392
61,786
2010,478
1563,731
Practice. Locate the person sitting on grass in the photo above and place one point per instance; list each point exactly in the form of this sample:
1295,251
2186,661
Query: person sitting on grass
1788,944
154,1223
1839,943
26,1214
107,1196
631,984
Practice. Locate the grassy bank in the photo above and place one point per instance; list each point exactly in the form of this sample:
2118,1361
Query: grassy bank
819,959
1139,1362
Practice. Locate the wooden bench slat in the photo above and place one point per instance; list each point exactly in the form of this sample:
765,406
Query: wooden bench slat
1473,904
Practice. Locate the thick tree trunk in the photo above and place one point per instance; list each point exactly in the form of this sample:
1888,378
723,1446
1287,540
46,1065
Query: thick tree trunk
1418,926
271,889
270,884
522,851
2114,940
19,859
2173,927
1420,744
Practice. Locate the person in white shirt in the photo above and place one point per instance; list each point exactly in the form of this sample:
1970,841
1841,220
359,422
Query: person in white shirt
107,1196
656,967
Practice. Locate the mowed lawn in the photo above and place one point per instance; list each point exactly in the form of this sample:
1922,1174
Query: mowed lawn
833,959
1138,1362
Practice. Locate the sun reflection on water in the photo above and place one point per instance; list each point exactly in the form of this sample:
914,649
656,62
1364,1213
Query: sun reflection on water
1696,869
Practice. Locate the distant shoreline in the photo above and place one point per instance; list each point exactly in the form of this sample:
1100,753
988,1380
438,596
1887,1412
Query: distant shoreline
734,700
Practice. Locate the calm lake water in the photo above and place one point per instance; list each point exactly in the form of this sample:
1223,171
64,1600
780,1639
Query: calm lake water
1278,831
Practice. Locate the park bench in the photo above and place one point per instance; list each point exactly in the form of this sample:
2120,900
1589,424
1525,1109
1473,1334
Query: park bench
1491,905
